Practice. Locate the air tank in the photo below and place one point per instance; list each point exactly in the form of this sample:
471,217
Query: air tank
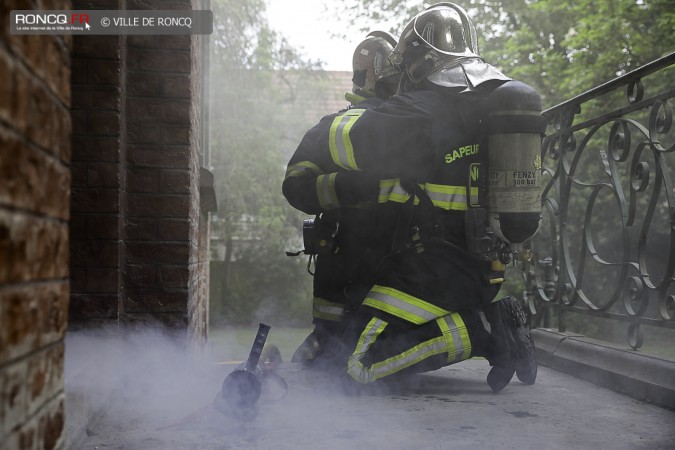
515,129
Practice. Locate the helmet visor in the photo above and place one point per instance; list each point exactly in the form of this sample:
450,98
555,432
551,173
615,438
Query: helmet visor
447,30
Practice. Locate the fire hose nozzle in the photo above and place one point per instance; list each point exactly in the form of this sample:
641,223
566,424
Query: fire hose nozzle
241,388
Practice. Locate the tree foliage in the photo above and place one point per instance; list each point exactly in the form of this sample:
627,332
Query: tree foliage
561,47
253,129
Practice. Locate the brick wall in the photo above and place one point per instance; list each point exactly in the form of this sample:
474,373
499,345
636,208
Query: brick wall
160,177
97,244
137,254
34,195
130,243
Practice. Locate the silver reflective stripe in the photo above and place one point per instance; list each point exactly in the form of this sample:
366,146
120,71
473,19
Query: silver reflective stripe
442,196
408,358
323,309
456,353
454,341
456,337
391,190
447,197
445,200
325,191
369,335
402,305
339,142
300,168
474,196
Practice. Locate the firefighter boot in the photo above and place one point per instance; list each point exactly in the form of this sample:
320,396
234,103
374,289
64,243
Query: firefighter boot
308,350
513,348
318,349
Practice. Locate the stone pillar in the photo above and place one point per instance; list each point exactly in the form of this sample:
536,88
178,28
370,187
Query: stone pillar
34,194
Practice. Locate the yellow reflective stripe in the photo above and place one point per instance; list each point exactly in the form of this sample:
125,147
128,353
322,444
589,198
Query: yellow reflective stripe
300,168
474,196
406,359
402,305
392,191
447,197
325,191
323,309
368,337
456,337
340,144
454,341
442,196
447,336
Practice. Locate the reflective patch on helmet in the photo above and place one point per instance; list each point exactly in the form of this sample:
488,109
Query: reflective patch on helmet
364,51
377,63
428,33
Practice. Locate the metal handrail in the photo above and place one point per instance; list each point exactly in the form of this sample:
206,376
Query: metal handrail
626,79
608,193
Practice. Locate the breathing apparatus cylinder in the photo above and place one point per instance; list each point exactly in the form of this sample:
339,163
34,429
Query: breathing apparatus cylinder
515,129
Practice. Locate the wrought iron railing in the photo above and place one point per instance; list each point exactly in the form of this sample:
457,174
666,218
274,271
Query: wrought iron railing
606,246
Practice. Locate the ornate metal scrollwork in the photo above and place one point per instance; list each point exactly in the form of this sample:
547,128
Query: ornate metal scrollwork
606,246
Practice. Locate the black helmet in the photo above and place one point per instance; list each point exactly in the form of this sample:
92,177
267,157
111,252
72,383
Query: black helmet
374,75
438,36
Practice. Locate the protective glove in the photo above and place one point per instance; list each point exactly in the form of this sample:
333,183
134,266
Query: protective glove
354,187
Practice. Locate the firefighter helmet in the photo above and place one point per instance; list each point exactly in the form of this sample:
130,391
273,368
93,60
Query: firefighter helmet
439,37
373,74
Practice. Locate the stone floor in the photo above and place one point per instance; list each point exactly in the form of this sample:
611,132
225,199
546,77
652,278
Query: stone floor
452,408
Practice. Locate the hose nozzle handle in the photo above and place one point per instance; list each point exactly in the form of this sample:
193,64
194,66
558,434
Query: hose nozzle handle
257,348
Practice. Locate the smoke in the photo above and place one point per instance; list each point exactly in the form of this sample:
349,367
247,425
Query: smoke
144,389
141,375
147,391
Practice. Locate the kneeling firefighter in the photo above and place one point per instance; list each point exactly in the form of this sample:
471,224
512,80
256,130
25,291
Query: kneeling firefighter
425,152
322,179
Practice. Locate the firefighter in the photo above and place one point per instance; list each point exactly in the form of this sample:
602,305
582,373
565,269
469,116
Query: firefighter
432,302
342,226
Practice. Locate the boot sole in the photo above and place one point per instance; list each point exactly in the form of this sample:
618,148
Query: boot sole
503,370
499,377
525,361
